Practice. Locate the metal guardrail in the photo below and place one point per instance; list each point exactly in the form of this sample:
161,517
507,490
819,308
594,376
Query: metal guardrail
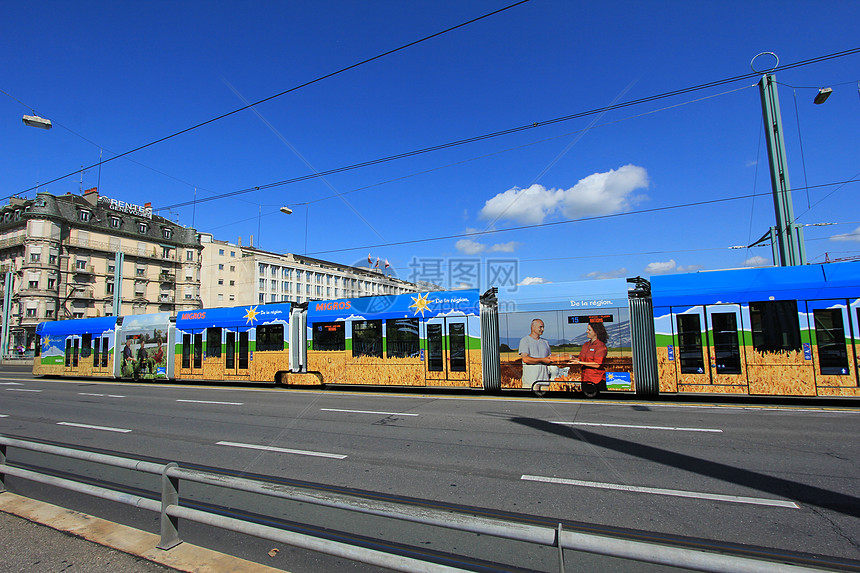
171,512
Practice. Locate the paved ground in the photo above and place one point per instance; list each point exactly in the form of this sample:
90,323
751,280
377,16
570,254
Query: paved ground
72,542
28,547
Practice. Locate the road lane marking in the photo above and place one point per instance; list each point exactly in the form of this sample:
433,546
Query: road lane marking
11,384
366,412
100,395
21,390
671,492
282,450
4,415
672,428
89,427
213,402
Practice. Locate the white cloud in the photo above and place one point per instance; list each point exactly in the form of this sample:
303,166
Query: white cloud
852,236
756,261
690,268
470,247
533,281
599,275
660,268
597,194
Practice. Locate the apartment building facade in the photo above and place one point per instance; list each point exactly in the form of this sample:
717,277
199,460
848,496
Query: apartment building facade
233,275
80,256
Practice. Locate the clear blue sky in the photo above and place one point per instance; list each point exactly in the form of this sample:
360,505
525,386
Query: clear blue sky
118,75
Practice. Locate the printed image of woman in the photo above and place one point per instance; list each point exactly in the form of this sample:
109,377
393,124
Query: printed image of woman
591,357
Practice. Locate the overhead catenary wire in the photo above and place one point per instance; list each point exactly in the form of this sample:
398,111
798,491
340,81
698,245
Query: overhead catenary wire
292,89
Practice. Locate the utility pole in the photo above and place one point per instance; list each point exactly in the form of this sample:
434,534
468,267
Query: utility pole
788,236
7,310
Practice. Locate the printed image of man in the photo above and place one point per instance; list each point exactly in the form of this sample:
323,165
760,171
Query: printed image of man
535,353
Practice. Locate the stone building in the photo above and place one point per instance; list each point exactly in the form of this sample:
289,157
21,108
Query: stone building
233,275
79,256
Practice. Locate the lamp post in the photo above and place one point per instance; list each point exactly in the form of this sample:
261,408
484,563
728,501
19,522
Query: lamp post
41,123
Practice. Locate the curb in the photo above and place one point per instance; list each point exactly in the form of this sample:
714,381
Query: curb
183,557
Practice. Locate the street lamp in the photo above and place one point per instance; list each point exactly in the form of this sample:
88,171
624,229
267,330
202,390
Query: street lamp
822,95
36,121
286,210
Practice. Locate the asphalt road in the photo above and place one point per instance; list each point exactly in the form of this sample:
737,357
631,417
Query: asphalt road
779,477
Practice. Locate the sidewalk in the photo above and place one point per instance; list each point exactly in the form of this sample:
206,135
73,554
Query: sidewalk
78,543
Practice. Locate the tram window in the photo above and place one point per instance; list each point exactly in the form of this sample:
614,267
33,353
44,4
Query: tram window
830,337
243,350
457,342
37,351
68,353
774,326
270,337
230,350
104,352
726,348
435,361
329,336
690,344
367,338
213,342
75,352
186,351
86,345
401,337
96,353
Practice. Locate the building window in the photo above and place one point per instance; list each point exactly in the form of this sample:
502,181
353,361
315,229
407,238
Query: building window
33,284
166,232
77,315
220,297
111,269
262,269
31,312
115,222
262,284
34,257
221,252
232,253
165,252
232,268
220,281
232,283
274,285
220,267
140,272
142,228
81,265
232,297
84,215
262,298
51,283
49,313
189,255
52,259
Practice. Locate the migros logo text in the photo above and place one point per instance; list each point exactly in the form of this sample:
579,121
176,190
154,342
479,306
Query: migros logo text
339,305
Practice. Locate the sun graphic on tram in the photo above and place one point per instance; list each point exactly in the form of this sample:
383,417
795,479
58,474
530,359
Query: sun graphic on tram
251,315
420,303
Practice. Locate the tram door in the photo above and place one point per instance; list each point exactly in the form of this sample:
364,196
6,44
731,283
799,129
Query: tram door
192,354
72,355
236,353
690,348
447,356
725,351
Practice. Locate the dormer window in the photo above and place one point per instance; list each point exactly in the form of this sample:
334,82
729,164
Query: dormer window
84,215
166,232
142,228
115,222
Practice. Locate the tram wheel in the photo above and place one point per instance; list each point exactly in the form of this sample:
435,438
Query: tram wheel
590,390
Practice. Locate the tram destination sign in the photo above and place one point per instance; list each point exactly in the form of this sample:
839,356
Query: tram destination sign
586,318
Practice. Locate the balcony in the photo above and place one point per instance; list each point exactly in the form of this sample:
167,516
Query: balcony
81,293
166,298
167,277
85,270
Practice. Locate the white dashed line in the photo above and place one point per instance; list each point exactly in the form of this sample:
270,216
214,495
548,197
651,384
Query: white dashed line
283,450
213,402
89,427
673,428
100,395
21,390
366,412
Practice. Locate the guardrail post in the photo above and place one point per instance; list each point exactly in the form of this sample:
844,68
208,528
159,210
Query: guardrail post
169,496
2,462
560,548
